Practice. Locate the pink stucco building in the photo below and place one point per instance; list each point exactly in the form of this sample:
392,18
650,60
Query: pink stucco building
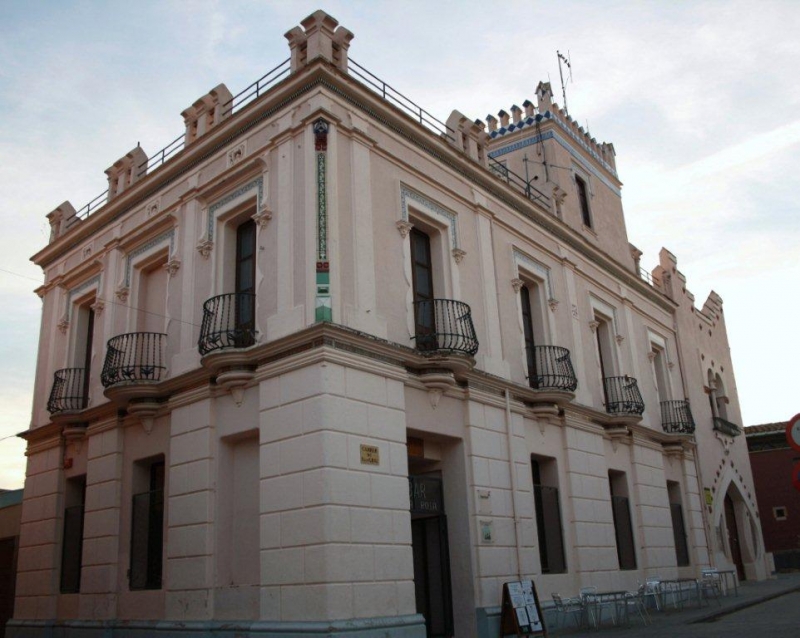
327,365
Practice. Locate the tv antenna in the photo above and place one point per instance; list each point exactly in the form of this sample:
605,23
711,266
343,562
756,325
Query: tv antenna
568,63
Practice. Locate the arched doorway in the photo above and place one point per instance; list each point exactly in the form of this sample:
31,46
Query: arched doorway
734,541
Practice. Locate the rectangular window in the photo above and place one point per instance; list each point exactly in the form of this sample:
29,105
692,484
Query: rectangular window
548,516
583,199
73,390
147,526
72,542
152,298
422,277
533,328
658,356
245,284
623,527
678,527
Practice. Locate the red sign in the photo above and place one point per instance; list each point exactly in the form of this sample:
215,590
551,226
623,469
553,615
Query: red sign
796,476
793,432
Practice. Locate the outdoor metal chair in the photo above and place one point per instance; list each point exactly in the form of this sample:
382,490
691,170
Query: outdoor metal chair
711,585
568,607
636,601
652,589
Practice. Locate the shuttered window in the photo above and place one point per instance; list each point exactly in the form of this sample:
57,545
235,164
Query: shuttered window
72,540
147,532
548,523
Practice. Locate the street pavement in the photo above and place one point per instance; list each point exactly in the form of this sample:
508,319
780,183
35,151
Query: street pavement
769,609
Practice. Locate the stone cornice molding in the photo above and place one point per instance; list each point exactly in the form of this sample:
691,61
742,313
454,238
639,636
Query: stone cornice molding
317,73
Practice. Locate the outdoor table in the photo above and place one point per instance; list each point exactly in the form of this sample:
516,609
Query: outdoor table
601,598
677,587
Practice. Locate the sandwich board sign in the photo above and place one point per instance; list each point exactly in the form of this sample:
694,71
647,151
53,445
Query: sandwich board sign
521,613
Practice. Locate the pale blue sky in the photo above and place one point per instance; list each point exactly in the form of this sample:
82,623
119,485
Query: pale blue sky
700,99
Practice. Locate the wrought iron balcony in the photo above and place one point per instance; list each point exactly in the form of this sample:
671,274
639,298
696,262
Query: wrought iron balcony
135,357
623,396
726,427
228,322
444,325
68,392
676,417
550,368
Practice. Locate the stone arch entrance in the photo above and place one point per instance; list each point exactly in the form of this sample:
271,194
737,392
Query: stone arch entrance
738,534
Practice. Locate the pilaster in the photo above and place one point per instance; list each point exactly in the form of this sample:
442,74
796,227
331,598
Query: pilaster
189,565
101,528
335,524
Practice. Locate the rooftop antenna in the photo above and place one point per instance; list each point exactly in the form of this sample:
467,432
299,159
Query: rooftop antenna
568,64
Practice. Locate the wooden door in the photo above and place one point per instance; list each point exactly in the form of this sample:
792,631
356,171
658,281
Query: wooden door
733,536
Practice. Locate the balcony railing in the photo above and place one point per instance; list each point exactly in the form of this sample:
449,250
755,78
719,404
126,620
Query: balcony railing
726,427
228,322
68,392
676,417
550,368
444,325
135,357
623,396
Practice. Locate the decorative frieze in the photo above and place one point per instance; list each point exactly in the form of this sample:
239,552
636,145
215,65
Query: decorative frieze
236,154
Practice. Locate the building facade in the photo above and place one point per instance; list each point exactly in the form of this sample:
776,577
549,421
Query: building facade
328,365
772,461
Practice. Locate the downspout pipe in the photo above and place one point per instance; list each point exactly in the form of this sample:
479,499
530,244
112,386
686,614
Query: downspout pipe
514,508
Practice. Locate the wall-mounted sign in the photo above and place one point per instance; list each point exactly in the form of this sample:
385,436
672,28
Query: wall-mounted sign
370,455
709,496
425,494
793,432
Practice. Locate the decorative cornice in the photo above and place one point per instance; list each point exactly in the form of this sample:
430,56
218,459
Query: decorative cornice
406,194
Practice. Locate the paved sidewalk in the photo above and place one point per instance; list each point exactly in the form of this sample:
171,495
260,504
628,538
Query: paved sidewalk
772,605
